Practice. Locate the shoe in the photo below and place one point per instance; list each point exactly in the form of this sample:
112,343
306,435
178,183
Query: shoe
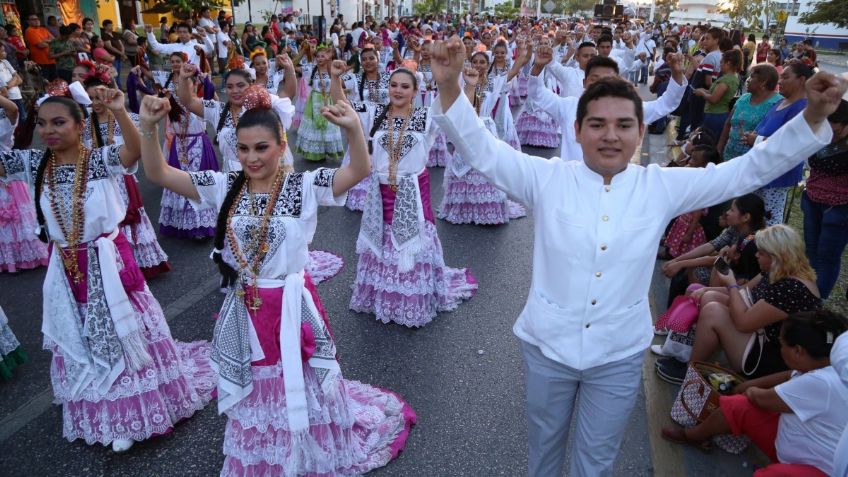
662,332
671,370
677,435
657,350
122,445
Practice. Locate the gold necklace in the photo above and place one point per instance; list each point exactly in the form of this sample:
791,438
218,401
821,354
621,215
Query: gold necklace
73,235
259,244
395,148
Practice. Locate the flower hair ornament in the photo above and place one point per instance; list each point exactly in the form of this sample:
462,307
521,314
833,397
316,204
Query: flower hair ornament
257,52
100,72
256,97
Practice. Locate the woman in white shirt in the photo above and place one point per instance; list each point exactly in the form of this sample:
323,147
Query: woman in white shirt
113,354
10,79
795,417
401,275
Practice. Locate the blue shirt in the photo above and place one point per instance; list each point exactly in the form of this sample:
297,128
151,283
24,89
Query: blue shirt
772,121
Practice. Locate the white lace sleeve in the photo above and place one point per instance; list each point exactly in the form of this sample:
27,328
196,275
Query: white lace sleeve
21,164
212,112
319,184
212,188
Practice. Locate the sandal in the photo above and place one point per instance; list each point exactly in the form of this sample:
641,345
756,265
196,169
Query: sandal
678,436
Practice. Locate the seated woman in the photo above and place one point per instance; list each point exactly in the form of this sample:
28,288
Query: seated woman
795,417
745,321
744,218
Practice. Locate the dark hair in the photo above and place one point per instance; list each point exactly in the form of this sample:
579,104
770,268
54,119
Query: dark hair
605,39
78,115
840,116
586,44
716,32
709,152
601,62
702,136
815,331
776,53
362,78
753,205
767,73
668,50
184,25
106,22
93,41
609,87
240,72
86,20
765,37
751,37
408,72
800,69
725,45
733,58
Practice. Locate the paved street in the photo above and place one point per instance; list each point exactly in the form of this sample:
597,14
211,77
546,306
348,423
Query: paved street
462,373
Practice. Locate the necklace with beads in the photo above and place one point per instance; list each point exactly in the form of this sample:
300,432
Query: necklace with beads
73,234
395,148
259,244
182,135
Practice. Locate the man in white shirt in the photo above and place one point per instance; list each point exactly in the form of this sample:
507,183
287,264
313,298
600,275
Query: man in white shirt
587,322
205,22
186,44
222,44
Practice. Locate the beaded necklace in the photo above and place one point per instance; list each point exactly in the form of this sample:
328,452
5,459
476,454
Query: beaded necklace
73,235
182,135
259,244
395,147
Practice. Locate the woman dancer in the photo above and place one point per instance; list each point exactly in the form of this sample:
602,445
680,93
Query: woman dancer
102,129
282,81
536,127
372,86
116,370
225,117
20,248
469,198
428,91
188,147
500,111
401,275
289,410
318,139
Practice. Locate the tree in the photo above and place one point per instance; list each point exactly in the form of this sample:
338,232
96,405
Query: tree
571,7
183,8
664,8
506,10
427,7
828,11
747,11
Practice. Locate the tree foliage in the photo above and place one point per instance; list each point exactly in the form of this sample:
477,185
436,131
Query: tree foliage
664,8
747,11
571,7
506,10
427,7
828,11
186,7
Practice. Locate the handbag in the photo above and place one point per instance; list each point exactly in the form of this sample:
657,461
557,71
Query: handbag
680,316
697,399
759,338
679,345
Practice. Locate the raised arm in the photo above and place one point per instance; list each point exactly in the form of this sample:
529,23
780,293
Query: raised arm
185,90
540,95
289,89
154,44
337,69
791,144
518,174
114,100
343,115
152,111
668,102
11,109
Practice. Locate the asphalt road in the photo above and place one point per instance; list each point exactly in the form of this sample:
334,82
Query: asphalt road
462,373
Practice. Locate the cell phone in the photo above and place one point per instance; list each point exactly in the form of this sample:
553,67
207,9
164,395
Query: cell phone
722,266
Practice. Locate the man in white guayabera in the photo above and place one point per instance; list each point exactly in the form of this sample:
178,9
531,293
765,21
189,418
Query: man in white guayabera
586,323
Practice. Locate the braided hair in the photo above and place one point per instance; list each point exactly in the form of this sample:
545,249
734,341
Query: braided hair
362,77
815,331
78,115
258,117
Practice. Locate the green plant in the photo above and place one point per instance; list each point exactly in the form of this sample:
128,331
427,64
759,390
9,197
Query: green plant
829,11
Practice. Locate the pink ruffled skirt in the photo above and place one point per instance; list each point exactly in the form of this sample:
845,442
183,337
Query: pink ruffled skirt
20,248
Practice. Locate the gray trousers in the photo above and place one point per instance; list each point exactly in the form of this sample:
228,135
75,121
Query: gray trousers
604,397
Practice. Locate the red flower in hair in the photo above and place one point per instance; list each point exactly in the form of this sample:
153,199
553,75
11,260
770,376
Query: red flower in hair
257,97
100,72
58,87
